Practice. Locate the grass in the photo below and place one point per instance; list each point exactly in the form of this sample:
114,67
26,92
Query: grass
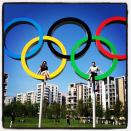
51,123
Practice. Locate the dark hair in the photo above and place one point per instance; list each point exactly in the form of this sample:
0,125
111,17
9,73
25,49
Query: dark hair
44,62
93,62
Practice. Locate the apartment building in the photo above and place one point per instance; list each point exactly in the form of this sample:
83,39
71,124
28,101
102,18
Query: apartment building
60,98
53,97
105,95
46,92
120,83
26,97
31,96
76,92
100,91
110,92
21,97
63,99
5,84
50,93
8,100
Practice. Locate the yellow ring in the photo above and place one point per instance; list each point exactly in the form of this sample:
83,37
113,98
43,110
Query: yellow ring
30,44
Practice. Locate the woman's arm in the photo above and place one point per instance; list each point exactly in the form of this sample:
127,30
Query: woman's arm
39,71
88,71
98,69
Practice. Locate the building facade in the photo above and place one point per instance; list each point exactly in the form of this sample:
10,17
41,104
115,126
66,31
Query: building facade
60,98
31,97
26,97
109,99
5,84
9,100
120,83
76,92
105,94
50,93
21,97
46,92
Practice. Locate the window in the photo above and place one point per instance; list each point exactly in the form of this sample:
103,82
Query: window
106,104
75,100
72,85
98,95
69,92
69,100
74,106
89,96
98,98
106,96
74,93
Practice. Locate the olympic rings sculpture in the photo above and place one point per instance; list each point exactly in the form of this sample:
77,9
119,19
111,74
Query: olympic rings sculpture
38,42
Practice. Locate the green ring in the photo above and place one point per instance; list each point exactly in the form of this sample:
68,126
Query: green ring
86,76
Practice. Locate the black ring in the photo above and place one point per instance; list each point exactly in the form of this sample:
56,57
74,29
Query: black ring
70,20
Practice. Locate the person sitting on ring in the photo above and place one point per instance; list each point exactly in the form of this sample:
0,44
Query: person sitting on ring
93,71
44,70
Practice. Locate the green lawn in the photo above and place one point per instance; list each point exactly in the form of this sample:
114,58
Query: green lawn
50,123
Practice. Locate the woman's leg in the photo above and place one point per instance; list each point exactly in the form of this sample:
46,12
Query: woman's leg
47,75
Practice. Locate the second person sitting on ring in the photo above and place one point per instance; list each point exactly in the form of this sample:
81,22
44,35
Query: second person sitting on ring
44,70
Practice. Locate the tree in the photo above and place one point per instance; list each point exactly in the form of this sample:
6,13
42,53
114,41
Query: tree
49,112
63,111
124,112
45,105
117,110
99,110
107,114
80,107
89,106
26,109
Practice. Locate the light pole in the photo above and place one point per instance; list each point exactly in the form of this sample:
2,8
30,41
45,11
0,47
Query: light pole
41,105
94,105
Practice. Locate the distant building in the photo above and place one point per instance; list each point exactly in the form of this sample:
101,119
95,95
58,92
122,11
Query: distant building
60,98
31,96
106,94
110,93
21,97
26,97
100,93
50,93
46,93
121,89
53,97
5,84
9,100
76,92
63,99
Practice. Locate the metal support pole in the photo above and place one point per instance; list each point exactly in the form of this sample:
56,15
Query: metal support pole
41,105
94,105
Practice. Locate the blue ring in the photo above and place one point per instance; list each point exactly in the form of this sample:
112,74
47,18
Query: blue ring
38,45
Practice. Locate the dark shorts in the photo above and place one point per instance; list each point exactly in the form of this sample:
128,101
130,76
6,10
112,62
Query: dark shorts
93,74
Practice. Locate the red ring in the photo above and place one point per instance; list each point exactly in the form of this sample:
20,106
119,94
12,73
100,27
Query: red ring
98,31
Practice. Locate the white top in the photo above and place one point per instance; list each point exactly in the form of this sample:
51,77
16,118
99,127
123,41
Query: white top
94,69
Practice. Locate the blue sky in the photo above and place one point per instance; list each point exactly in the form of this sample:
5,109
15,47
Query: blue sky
46,15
